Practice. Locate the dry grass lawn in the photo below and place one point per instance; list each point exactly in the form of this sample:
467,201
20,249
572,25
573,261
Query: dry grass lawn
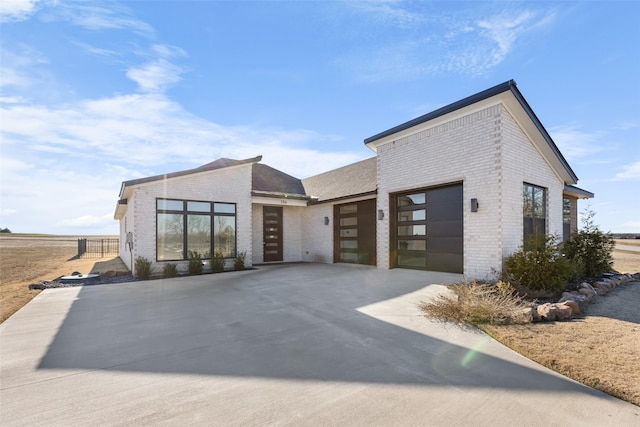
601,349
25,259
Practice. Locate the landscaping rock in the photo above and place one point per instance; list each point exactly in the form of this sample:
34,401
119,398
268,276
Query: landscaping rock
547,312
573,306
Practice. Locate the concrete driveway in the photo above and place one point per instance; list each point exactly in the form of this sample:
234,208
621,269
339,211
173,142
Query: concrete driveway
304,344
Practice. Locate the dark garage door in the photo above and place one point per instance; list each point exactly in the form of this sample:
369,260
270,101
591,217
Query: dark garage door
428,231
355,232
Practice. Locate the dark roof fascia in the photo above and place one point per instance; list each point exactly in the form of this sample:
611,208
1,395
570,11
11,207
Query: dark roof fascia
338,199
199,169
527,108
280,195
481,96
579,191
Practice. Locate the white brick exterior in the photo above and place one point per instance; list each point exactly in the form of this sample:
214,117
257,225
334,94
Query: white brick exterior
491,147
489,153
291,233
523,163
317,238
228,185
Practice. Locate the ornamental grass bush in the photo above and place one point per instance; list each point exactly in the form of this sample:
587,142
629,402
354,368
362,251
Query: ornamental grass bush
143,268
478,303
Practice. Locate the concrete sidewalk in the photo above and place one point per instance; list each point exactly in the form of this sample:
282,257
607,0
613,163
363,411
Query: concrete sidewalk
308,344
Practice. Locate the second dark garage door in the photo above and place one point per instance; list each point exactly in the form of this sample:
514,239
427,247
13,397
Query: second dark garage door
428,229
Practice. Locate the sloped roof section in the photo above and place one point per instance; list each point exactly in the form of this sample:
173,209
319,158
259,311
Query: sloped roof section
266,179
217,164
357,179
555,157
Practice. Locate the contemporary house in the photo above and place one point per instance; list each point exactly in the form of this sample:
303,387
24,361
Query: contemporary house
455,190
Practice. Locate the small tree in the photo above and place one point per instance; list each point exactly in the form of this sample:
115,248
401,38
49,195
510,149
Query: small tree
143,268
169,270
238,262
538,266
195,263
217,262
590,247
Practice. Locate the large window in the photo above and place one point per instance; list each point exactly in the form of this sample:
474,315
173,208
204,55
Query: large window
534,211
184,226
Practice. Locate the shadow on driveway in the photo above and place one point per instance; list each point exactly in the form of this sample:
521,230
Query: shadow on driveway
297,322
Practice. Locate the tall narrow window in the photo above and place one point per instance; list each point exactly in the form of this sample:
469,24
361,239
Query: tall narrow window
534,210
566,218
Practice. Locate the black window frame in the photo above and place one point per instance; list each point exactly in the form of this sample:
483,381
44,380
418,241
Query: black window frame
534,223
185,212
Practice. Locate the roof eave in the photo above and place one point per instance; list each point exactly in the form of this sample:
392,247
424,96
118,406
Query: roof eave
572,190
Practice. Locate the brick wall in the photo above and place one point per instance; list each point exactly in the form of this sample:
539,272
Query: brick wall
317,238
292,233
466,149
523,163
231,185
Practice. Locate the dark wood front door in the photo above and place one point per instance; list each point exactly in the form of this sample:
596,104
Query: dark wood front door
272,233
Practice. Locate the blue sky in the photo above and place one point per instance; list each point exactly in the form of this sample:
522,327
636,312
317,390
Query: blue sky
95,93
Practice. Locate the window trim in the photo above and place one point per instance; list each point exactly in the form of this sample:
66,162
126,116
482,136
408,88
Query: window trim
185,212
532,217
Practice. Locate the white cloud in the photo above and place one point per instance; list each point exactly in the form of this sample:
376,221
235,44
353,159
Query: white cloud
630,172
155,76
87,221
17,10
7,212
99,15
388,11
505,28
446,44
66,163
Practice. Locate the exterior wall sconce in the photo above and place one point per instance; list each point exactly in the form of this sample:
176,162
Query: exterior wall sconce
380,214
326,220
474,205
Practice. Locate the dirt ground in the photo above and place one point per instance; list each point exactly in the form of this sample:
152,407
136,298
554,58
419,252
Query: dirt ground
25,259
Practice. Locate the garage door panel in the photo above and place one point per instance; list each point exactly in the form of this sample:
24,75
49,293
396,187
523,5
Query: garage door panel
449,211
449,263
448,245
443,241
444,229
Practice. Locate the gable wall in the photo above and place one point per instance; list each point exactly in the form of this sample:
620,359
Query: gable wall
466,149
231,185
523,163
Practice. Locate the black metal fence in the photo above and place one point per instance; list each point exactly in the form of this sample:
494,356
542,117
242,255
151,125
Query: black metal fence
98,248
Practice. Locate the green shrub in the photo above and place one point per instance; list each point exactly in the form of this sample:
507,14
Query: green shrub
143,268
238,262
590,247
195,263
169,270
538,266
217,262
